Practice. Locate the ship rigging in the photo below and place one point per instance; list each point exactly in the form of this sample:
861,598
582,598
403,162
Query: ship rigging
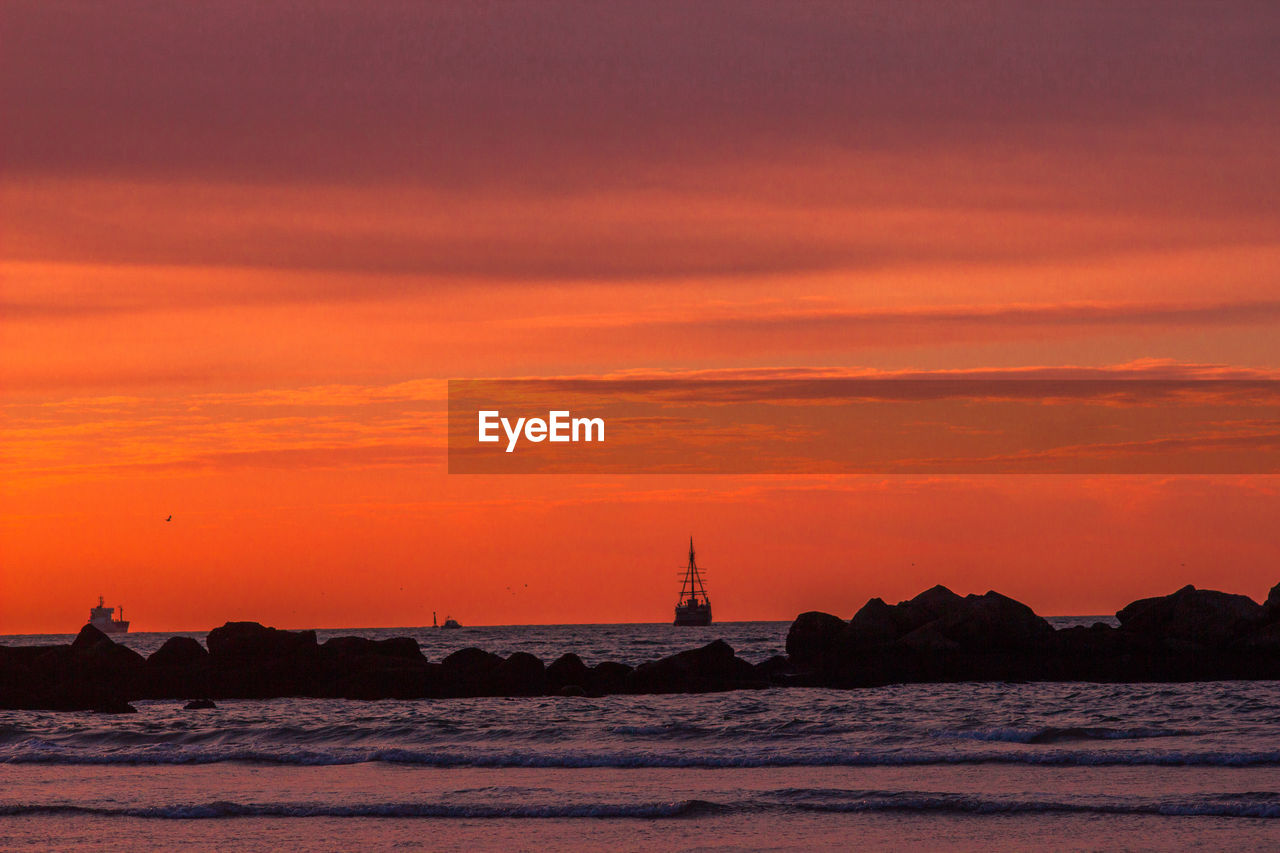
694,606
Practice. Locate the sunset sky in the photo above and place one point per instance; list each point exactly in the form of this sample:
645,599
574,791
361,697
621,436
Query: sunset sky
244,245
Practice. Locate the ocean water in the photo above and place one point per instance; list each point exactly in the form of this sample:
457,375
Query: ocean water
1009,766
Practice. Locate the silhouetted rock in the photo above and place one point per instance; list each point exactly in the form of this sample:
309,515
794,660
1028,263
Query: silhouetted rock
774,668
100,697
1271,608
1200,616
405,648
712,667
873,625
372,677
251,641
469,662
180,667
1092,643
608,677
93,673
568,670
199,705
930,639
89,637
934,603
812,637
361,668
250,661
993,622
178,651
1265,640
1190,635
522,674
468,672
937,635
109,658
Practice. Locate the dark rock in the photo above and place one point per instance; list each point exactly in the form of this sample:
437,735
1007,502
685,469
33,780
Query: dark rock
199,705
522,674
934,603
178,668
405,648
250,661
270,678
360,668
25,670
994,621
930,639
100,697
371,677
776,670
873,625
95,657
468,672
89,637
1098,641
25,656
469,662
112,658
936,636
1265,640
1191,635
179,651
1271,608
712,667
812,637
568,670
608,677
251,641
1200,616
918,639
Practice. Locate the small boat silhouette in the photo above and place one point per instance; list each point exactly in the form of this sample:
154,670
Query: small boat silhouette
449,622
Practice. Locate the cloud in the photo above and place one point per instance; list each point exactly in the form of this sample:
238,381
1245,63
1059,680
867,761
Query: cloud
403,424
566,93
726,330
378,242
1146,368
313,458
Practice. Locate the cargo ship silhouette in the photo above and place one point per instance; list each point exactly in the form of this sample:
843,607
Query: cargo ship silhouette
101,617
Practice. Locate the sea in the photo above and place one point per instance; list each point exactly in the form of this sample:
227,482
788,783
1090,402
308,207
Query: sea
1071,766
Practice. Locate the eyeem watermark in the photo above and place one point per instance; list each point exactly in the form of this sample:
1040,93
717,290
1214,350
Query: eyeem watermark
825,425
559,426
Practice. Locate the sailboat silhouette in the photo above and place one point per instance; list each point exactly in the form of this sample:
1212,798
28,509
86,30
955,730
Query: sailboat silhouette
694,606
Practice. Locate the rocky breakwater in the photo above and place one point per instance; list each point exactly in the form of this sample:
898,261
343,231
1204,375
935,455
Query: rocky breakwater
246,660
91,674
1189,635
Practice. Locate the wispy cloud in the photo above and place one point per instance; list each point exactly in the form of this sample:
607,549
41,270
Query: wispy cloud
853,327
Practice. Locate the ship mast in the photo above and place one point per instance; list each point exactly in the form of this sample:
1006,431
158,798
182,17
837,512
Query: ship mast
692,586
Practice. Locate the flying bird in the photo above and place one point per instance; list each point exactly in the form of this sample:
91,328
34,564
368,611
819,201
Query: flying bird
170,518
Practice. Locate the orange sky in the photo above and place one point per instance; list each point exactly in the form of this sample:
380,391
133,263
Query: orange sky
240,252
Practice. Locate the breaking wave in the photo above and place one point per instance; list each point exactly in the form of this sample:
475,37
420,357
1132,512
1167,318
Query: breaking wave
1063,734
588,758
1265,805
